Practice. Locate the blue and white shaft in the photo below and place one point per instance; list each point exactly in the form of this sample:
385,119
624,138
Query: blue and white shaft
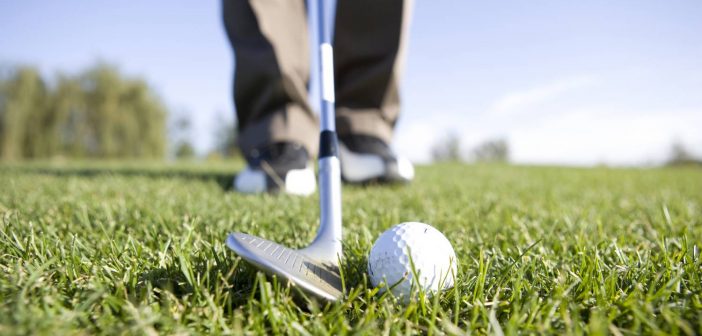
326,67
326,247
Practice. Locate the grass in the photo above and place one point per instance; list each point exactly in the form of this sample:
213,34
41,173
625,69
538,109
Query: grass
107,249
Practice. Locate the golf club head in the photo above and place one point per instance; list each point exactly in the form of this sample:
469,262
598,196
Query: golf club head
315,269
319,279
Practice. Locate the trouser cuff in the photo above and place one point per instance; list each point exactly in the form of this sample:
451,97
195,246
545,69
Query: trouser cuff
294,124
363,122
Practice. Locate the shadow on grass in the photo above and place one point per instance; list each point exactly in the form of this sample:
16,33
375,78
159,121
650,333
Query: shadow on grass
224,180
229,282
233,282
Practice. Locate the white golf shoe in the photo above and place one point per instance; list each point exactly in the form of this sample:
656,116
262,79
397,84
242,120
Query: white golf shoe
366,159
280,167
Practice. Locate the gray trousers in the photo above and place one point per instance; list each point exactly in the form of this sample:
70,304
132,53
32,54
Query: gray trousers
272,70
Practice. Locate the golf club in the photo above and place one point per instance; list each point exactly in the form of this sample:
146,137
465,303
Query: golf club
315,268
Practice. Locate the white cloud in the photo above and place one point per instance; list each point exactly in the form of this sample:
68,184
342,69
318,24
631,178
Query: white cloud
520,100
574,121
581,136
606,135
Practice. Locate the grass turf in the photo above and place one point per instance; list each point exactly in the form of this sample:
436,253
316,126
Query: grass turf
108,249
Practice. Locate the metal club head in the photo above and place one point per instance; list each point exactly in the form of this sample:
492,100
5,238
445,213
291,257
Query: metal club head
317,278
314,268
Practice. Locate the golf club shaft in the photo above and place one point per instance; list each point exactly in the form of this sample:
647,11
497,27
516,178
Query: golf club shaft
326,67
329,234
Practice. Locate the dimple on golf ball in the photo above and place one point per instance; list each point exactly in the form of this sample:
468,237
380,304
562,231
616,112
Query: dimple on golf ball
408,245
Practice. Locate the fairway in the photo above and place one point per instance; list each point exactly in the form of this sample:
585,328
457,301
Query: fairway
139,249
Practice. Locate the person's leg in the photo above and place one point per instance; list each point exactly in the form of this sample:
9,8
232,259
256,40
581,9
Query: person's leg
277,129
369,43
368,50
270,43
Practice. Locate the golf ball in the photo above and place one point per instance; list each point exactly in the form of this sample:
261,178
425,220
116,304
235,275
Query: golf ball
409,245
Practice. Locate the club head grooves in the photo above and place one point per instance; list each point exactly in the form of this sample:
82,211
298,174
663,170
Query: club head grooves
313,277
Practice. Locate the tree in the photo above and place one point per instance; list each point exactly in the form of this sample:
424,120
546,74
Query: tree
22,114
226,135
496,150
680,156
98,113
180,135
447,149
185,150
67,127
127,119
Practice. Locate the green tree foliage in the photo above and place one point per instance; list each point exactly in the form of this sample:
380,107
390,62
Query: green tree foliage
681,156
98,113
185,150
496,150
22,113
226,135
180,135
447,149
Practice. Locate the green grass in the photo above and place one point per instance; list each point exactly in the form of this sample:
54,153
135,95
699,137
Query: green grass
104,249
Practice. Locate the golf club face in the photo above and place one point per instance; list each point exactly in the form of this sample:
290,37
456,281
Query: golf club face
321,280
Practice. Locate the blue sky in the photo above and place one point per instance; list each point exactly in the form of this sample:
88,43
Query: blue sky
578,83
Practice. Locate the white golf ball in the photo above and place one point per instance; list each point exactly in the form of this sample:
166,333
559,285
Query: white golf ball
407,244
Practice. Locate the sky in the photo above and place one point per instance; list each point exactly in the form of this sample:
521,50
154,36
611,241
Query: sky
564,82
